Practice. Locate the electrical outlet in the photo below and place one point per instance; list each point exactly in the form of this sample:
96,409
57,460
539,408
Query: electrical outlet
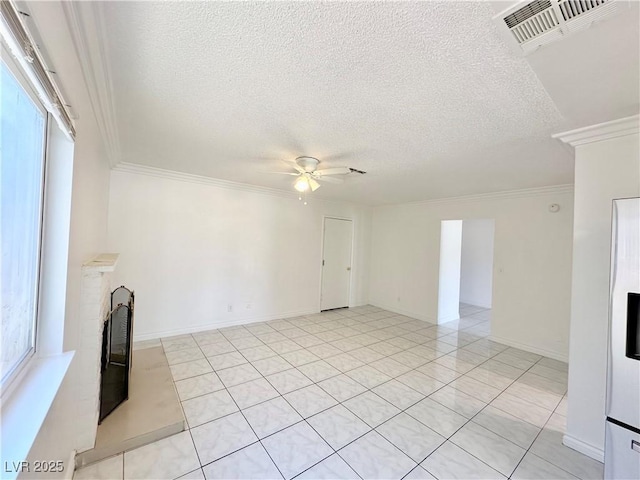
229,308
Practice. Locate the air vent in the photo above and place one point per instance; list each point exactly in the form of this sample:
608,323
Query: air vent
527,26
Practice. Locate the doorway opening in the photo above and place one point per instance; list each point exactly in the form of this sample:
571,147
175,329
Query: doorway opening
336,263
466,268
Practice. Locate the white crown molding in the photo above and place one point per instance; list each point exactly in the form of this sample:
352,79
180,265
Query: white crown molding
137,169
601,131
525,192
126,167
89,35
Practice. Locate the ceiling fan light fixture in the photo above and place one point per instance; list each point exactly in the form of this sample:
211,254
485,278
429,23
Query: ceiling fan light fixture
302,184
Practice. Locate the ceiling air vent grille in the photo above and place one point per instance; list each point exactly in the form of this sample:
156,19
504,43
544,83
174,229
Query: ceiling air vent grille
528,25
526,12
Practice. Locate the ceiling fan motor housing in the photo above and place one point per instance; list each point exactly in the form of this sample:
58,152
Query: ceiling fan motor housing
309,164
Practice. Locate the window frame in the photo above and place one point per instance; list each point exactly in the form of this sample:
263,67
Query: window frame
16,372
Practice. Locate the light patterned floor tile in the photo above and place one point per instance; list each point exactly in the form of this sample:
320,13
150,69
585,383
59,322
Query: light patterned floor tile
300,357
460,402
250,463
249,393
208,407
437,417
331,468
533,467
196,386
372,456
398,394
351,356
338,426
368,376
318,371
296,448
237,375
288,381
221,437
197,474
371,408
310,400
190,369
258,353
412,437
494,450
419,473
181,342
226,360
420,382
217,348
344,362
271,365
549,446
342,387
186,355
522,409
502,423
451,462
272,416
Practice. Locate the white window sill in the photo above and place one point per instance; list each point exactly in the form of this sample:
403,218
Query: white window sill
25,409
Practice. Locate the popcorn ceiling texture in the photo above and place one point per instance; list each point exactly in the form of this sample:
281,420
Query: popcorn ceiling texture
424,96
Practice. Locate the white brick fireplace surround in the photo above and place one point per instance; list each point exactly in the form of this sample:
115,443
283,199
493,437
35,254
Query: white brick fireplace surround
95,305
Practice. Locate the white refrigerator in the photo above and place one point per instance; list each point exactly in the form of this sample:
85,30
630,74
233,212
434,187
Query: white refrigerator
622,442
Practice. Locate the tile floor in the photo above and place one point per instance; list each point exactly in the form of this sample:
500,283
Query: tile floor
359,393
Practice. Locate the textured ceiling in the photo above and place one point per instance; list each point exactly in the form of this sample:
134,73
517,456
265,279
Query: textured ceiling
424,96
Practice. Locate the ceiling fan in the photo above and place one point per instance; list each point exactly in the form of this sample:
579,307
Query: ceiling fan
308,175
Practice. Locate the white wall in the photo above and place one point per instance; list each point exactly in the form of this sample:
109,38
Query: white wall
190,247
532,258
476,269
604,170
449,278
64,430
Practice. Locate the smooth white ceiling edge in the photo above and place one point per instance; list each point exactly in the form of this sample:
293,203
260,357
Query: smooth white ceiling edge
133,168
216,182
601,131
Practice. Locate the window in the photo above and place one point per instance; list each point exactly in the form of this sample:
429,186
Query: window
22,152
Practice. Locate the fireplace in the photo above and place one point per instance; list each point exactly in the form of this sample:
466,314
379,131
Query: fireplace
116,352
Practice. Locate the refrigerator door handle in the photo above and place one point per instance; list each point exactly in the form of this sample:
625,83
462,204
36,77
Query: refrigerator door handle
635,446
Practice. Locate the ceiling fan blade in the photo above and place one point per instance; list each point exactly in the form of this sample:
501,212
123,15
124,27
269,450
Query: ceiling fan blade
329,179
333,171
286,173
294,165
314,185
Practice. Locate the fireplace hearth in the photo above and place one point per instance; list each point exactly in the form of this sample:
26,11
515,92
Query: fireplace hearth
116,352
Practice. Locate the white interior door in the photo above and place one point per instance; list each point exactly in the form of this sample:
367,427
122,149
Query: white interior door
336,263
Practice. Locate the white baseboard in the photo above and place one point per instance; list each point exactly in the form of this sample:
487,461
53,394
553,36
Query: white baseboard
213,325
531,348
583,447
70,467
402,311
448,319
476,304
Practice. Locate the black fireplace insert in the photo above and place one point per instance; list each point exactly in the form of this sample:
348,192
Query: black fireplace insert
116,352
